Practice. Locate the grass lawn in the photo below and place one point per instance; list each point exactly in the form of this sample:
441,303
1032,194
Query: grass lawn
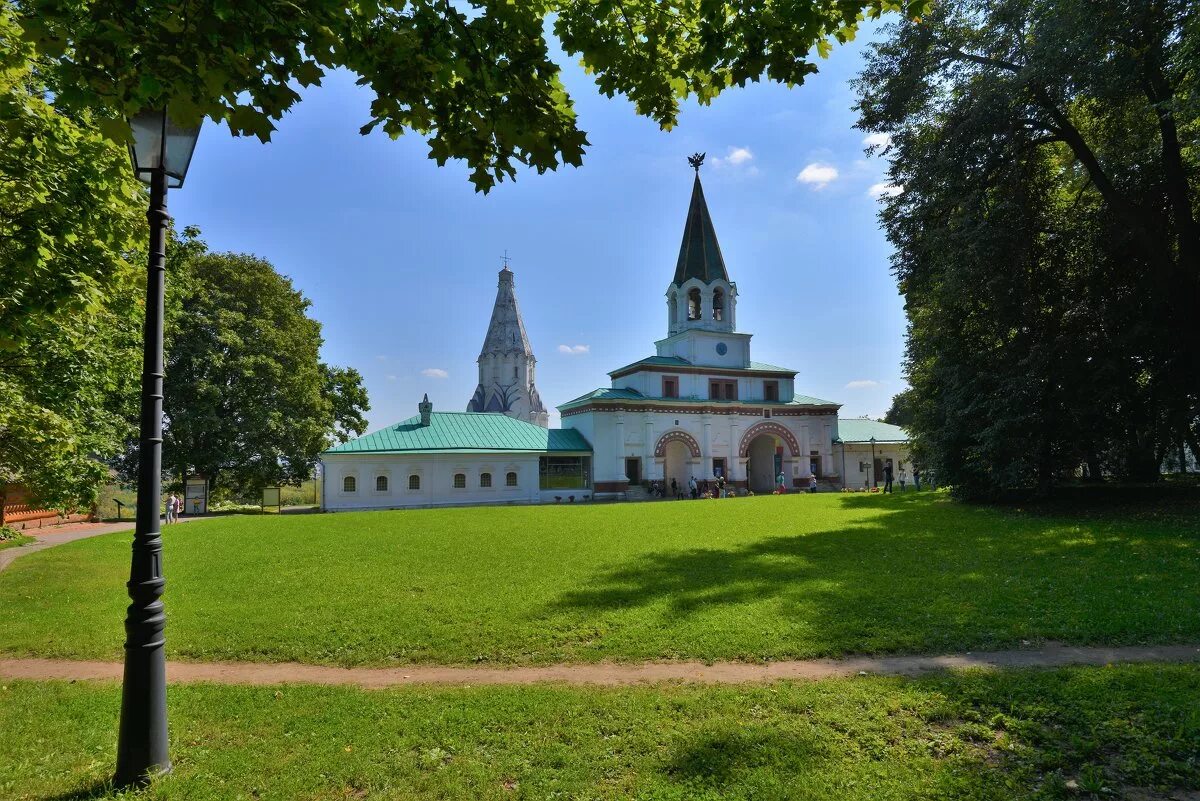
752,578
1129,732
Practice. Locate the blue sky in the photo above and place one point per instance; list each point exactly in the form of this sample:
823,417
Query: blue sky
399,256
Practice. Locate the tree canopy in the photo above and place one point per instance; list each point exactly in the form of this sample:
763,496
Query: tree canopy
248,403
476,79
1045,233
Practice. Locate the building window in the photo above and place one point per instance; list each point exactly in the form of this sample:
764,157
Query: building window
722,390
718,304
565,472
767,413
414,482
670,386
718,467
381,484
510,480
693,300
349,484
485,479
771,390
460,480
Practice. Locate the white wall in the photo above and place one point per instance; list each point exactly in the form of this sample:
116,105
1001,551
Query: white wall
436,472
858,477
724,435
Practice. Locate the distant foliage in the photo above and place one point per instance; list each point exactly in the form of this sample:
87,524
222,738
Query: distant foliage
1045,234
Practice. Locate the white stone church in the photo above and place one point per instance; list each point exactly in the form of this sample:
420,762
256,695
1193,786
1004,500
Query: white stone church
699,407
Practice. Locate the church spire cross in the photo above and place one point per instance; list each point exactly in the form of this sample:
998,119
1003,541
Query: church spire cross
696,160
504,260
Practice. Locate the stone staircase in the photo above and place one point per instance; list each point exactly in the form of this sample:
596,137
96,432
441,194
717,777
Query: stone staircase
637,493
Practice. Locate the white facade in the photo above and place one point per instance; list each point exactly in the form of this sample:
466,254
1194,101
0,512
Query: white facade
864,467
403,481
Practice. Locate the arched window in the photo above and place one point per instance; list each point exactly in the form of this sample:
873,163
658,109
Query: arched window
349,484
381,483
460,480
693,303
485,479
718,304
414,482
510,480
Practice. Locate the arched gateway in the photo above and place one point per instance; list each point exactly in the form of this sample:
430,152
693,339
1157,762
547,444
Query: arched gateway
677,448
760,447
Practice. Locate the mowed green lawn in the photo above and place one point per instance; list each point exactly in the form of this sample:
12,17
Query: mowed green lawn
1125,732
754,578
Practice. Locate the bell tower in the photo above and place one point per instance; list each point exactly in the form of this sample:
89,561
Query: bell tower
506,362
701,296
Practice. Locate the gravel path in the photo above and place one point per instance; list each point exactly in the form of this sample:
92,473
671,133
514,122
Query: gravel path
609,674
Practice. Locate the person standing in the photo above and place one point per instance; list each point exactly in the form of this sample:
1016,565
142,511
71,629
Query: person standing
812,483
674,489
170,508
887,477
917,479
780,483
692,488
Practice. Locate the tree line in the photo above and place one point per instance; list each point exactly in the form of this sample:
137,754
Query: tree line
1045,157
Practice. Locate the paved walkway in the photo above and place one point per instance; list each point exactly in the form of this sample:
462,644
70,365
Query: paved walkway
609,674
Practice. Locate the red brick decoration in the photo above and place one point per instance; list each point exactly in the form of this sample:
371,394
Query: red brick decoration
768,427
677,435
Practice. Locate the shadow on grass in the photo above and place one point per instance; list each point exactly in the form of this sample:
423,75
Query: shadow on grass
930,574
90,792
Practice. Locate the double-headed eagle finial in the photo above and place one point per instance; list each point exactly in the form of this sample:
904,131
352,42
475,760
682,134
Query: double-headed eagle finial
696,159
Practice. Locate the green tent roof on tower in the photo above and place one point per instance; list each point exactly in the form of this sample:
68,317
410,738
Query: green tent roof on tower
699,254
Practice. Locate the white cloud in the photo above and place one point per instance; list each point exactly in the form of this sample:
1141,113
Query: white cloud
883,189
574,350
737,158
862,383
391,378
434,372
818,174
879,140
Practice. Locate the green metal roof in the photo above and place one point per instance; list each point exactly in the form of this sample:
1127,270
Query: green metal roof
466,431
699,254
856,430
677,361
611,394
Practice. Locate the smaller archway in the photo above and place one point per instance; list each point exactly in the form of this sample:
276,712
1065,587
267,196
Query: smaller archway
693,308
761,469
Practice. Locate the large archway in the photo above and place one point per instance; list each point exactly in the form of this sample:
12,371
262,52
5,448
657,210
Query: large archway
677,448
761,467
676,465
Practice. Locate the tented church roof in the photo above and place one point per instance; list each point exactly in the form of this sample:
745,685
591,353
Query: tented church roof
699,254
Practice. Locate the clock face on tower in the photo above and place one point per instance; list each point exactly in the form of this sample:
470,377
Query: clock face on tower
722,348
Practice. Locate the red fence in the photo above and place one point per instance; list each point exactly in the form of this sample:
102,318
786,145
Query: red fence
16,512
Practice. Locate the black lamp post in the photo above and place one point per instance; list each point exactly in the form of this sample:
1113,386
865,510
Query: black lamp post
161,152
874,480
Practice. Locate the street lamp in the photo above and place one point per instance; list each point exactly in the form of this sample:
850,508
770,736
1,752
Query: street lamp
874,480
161,152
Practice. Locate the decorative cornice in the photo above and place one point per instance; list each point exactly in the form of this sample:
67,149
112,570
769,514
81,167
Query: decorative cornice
666,408
699,369
677,435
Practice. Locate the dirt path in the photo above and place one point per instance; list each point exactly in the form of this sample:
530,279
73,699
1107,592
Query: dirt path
609,674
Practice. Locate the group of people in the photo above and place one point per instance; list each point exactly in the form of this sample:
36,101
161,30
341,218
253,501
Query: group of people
705,488
174,507
916,474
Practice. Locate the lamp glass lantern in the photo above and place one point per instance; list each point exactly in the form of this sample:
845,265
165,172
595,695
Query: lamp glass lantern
158,142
